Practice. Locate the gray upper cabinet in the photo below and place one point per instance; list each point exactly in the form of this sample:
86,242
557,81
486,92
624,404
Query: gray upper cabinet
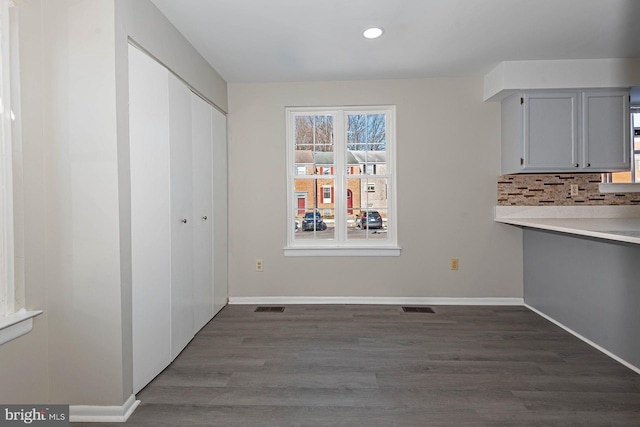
607,130
566,131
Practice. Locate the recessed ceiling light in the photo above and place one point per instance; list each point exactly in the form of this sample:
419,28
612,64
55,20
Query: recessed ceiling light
373,32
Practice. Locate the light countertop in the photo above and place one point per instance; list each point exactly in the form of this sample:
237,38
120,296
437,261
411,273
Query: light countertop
617,223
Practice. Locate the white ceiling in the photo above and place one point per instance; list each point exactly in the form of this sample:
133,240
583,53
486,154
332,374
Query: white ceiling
304,40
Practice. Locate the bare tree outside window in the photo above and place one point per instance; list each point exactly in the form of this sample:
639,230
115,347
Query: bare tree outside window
366,132
314,133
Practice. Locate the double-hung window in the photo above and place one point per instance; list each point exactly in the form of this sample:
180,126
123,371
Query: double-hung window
345,201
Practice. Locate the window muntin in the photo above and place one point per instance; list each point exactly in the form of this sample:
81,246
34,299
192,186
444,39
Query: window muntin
349,160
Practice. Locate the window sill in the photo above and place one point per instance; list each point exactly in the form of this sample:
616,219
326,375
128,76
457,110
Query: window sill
334,251
620,187
17,324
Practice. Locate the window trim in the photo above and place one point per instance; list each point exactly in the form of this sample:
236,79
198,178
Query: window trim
340,245
7,244
15,320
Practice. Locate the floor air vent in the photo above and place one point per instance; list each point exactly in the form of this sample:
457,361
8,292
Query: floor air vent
269,309
418,310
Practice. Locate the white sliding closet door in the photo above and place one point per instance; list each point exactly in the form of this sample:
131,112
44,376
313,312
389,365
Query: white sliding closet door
202,149
178,162
182,218
150,216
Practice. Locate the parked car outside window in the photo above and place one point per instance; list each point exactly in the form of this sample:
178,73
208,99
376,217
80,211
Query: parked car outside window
371,219
310,223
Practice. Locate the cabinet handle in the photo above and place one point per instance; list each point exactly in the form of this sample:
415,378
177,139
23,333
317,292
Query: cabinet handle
184,220
576,165
588,165
204,218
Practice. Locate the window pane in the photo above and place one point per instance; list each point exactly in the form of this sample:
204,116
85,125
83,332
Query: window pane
368,224
366,132
314,144
367,143
314,202
367,211
367,157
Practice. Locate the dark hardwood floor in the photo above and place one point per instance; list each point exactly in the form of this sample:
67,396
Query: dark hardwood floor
355,365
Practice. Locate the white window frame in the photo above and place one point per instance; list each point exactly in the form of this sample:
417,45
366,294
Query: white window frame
340,245
14,319
7,255
608,185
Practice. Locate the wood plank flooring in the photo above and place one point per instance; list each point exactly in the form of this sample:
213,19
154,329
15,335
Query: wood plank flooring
354,365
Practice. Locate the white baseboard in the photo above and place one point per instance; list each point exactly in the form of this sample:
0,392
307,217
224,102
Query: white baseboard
375,300
586,340
103,414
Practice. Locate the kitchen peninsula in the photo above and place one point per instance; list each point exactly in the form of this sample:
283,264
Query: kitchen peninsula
616,223
581,268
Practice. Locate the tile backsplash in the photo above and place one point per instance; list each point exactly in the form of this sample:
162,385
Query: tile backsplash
555,190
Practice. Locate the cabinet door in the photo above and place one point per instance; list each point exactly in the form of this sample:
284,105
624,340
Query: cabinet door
150,217
606,130
202,175
550,127
182,220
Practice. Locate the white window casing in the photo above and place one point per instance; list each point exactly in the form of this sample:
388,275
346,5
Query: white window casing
384,242
7,257
15,320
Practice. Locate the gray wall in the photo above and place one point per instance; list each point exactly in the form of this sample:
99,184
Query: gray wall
71,208
75,153
588,285
448,160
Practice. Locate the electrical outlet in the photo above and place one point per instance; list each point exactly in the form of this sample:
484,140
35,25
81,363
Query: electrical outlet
455,264
259,265
574,189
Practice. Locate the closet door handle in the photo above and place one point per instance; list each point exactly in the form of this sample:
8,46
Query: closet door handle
204,218
184,220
